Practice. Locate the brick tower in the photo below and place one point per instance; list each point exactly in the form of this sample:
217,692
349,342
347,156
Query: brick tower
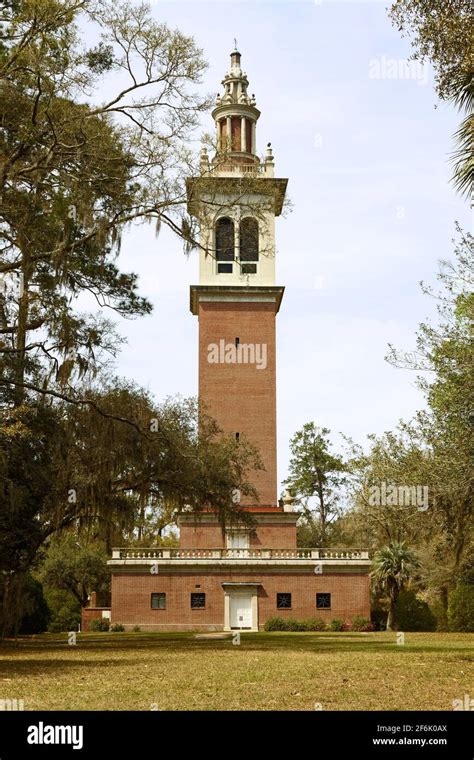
236,199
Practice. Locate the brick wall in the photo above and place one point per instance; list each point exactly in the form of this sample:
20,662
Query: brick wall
90,613
241,397
132,603
274,537
201,536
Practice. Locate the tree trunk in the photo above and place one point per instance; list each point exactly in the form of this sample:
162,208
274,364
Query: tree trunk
391,618
444,593
322,513
20,343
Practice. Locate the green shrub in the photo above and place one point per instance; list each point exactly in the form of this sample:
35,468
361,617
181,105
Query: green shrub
275,624
65,611
36,614
64,622
292,625
336,625
302,625
440,611
360,623
461,608
413,614
289,624
99,625
117,628
136,629
314,624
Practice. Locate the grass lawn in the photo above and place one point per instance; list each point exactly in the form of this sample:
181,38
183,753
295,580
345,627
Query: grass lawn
268,671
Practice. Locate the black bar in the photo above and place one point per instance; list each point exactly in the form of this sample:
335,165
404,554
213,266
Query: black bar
309,734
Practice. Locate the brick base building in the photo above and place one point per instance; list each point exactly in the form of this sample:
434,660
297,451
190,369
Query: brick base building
236,581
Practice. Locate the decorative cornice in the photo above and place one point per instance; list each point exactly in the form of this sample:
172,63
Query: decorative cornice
249,183
235,109
261,518
235,293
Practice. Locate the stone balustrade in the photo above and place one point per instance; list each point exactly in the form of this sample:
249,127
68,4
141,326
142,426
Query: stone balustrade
229,169
252,554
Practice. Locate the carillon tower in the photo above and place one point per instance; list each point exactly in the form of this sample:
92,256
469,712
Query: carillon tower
236,199
237,579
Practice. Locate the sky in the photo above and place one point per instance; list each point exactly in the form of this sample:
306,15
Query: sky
365,145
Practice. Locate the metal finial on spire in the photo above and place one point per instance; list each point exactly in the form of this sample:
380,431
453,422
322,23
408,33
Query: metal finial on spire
235,45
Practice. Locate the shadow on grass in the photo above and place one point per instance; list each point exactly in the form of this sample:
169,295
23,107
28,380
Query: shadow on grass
49,666
46,644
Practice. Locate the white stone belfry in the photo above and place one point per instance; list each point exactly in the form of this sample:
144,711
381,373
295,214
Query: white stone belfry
237,196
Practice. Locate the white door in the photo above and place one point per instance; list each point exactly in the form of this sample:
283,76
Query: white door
237,540
241,610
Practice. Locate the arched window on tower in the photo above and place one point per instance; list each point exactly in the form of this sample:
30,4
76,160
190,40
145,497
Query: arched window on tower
224,245
248,245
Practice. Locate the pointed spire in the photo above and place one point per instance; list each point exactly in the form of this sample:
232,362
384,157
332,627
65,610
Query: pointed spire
235,58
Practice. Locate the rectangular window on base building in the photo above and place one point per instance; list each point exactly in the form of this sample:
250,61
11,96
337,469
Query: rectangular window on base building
198,601
323,601
283,601
158,601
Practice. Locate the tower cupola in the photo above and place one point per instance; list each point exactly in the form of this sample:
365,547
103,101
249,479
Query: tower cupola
236,116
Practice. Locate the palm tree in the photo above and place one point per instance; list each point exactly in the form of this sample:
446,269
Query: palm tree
463,157
393,566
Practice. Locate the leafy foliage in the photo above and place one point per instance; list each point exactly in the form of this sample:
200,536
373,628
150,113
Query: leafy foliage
36,614
432,453
64,608
291,625
77,170
108,471
443,33
99,625
413,614
24,608
315,474
362,624
70,565
461,608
